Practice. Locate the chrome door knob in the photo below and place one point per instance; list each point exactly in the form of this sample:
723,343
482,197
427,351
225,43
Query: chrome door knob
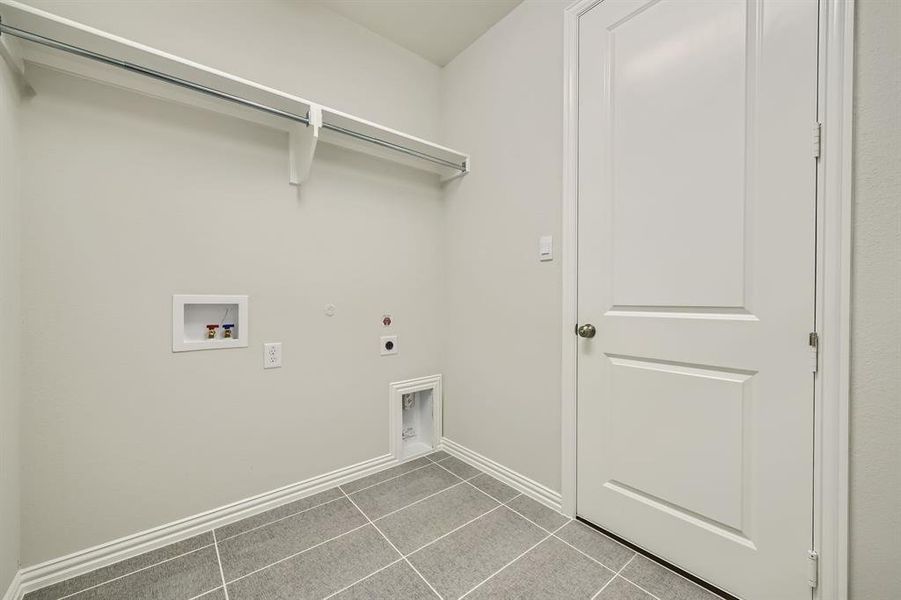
587,330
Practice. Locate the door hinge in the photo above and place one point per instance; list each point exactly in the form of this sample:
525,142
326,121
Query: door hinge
813,341
817,139
813,570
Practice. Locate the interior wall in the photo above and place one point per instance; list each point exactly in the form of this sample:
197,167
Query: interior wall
876,305
10,316
128,200
502,352
503,99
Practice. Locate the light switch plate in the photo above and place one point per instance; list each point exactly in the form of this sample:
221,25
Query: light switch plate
545,248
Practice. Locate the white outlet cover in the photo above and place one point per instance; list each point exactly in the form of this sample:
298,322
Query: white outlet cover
388,345
272,355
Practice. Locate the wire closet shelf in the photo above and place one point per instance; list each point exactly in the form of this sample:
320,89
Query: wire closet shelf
305,119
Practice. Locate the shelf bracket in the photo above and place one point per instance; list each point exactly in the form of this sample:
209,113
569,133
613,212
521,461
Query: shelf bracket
10,52
457,174
302,140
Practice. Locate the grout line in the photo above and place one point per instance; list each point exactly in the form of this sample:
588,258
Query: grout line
652,558
283,559
498,500
511,499
348,497
417,502
95,586
615,575
216,546
403,557
206,593
391,564
429,456
457,476
478,489
518,493
396,550
554,533
507,504
584,554
219,560
430,463
542,527
421,576
626,579
555,536
544,539
268,523
478,585
634,554
440,537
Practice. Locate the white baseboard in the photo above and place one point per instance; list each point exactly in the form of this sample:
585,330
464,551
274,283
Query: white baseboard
53,571
520,482
14,591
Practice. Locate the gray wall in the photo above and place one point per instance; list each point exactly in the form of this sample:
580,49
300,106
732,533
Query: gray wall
10,316
502,103
128,200
502,356
876,305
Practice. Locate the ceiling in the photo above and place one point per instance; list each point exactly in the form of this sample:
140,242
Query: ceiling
437,30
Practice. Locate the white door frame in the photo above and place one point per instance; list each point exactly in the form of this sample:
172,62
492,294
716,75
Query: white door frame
833,293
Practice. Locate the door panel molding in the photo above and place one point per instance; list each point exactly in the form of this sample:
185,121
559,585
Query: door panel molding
836,26
722,529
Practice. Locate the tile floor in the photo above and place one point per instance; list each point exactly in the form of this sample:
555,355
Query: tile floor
434,527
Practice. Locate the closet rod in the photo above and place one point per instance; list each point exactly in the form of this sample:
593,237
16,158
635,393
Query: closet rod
305,119
393,146
122,64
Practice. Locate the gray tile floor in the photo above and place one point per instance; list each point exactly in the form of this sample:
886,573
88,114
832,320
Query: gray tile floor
434,527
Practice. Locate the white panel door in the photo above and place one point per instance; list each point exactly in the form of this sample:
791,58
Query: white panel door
696,267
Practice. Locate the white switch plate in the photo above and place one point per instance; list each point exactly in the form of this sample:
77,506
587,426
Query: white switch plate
545,248
272,355
388,345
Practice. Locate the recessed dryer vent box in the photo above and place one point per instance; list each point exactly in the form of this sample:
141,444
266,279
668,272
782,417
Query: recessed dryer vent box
194,315
415,412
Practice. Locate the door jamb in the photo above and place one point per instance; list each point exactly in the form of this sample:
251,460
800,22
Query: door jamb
833,293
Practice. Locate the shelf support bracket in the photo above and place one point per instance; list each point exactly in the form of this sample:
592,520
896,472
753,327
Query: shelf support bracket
457,174
302,140
10,52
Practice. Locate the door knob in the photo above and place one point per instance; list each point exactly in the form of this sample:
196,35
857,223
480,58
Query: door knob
587,330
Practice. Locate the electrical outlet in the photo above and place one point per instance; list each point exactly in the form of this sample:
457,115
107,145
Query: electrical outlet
272,355
388,344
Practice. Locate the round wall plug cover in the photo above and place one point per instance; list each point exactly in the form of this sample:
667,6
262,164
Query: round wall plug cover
329,310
